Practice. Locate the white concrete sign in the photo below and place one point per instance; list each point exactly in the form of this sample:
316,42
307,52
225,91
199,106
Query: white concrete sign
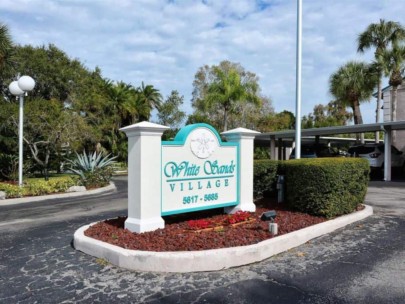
194,172
199,171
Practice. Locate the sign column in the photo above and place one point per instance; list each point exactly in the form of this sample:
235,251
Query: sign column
245,138
144,169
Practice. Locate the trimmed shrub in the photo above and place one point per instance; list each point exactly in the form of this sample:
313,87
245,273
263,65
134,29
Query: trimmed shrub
97,178
39,186
12,190
53,185
326,186
264,177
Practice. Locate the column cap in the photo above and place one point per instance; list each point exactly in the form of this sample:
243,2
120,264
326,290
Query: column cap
144,126
240,132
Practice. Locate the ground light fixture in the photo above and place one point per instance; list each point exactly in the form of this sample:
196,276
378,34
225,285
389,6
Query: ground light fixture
269,216
20,88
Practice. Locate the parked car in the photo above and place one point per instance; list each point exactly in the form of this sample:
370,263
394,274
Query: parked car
374,153
316,150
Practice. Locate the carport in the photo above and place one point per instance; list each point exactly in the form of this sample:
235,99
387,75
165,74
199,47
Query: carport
276,138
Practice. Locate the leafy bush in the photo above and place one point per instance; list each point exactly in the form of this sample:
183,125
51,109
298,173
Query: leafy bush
53,185
35,187
261,153
264,177
99,177
94,170
326,186
8,167
120,166
12,190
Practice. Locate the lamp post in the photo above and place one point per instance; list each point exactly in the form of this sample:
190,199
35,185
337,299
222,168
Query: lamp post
18,88
298,82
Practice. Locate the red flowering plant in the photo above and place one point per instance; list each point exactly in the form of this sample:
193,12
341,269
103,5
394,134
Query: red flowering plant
199,224
238,217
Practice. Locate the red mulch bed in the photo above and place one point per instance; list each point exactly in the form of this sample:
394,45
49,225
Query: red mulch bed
178,236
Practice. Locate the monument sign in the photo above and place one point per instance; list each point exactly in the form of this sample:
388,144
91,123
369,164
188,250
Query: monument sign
199,171
195,171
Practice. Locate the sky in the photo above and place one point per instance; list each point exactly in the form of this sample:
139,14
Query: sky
164,43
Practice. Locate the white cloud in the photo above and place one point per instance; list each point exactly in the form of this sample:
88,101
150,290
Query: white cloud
165,42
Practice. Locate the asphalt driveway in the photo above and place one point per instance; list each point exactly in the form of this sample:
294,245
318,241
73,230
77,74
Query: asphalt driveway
362,263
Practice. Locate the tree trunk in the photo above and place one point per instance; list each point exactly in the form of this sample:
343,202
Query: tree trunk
355,122
357,113
358,119
35,154
394,110
46,173
46,162
354,115
225,119
377,111
394,103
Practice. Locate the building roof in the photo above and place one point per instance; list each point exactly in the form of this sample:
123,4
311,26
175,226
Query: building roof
383,90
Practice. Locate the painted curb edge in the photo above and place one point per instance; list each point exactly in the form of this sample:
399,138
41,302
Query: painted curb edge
209,260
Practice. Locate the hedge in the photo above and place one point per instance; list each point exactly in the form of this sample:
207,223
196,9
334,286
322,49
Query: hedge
326,186
264,177
38,186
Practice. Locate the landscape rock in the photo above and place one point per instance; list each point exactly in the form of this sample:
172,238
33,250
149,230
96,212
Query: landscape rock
2,195
76,189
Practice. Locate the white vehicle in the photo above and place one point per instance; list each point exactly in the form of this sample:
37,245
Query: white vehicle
374,153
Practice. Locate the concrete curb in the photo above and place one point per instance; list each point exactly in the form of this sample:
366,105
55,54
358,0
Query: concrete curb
209,260
14,201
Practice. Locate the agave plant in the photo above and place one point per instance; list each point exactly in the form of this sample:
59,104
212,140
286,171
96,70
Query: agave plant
93,168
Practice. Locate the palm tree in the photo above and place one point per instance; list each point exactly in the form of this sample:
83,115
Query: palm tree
142,108
149,98
6,57
122,103
6,48
394,65
380,36
228,90
352,84
120,111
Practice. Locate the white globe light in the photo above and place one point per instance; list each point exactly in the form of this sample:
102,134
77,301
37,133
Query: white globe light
15,89
26,83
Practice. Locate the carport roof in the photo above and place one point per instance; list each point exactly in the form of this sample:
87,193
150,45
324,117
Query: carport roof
395,125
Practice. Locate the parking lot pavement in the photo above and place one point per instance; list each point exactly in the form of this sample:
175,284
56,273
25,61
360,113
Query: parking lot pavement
362,263
387,197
